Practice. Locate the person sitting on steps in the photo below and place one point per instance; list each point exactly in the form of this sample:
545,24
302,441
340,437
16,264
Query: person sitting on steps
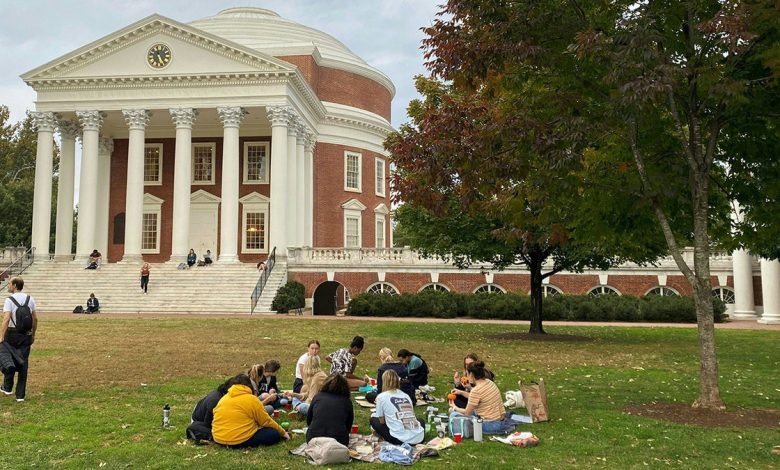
207,258
192,258
93,304
94,260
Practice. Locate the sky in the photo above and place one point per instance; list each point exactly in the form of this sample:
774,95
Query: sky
385,33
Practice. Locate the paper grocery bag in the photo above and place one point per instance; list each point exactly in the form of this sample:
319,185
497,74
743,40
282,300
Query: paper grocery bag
535,396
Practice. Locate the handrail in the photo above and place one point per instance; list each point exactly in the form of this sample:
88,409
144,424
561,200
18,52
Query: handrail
269,266
24,261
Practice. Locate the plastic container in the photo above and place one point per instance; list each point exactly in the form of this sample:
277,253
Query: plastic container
477,429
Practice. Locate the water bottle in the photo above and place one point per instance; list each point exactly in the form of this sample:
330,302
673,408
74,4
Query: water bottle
166,423
477,429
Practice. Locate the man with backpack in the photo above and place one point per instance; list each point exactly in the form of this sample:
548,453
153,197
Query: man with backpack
18,330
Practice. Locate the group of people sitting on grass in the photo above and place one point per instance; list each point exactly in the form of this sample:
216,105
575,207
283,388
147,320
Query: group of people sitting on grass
238,413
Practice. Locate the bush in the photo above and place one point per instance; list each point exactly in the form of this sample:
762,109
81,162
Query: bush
518,307
289,297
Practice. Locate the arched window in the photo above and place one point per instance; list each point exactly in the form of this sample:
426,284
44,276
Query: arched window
603,290
726,294
549,289
382,288
435,287
663,291
489,289
347,298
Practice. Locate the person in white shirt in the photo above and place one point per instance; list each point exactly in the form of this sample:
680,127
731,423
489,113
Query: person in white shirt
314,350
394,418
13,334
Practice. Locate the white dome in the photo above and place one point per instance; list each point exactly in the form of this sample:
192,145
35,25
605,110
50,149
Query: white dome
265,31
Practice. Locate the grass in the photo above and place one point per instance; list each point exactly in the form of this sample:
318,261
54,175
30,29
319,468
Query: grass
98,384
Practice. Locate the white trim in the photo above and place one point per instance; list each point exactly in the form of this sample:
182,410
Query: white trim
383,285
264,179
379,185
159,169
590,291
353,205
347,154
379,218
152,205
213,146
254,203
355,216
490,285
433,286
663,287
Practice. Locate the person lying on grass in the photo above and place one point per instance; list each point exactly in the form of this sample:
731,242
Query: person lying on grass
313,379
462,384
264,382
330,413
240,420
389,362
394,418
344,362
484,401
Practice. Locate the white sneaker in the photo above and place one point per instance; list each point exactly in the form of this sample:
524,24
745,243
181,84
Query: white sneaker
20,399
3,390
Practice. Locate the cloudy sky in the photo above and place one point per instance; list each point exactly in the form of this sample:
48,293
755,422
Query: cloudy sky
385,33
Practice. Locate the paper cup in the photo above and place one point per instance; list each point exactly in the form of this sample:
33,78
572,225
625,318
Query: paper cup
458,437
373,382
276,413
355,429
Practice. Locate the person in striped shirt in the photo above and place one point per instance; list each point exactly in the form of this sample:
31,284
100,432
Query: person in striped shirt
484,401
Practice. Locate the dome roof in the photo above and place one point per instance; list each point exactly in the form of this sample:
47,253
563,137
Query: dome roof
267,32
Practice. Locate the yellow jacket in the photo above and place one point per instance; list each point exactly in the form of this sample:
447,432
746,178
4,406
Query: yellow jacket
238,416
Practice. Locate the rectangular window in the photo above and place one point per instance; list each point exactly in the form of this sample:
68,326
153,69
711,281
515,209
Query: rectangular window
203,156
153,164
255,231
150,233
256,162
352,229
380,232
380,177
352,172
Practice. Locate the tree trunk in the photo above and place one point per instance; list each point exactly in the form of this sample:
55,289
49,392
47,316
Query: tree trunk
536,293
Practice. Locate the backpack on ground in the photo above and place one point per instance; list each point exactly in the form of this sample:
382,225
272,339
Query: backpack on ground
92,265
24,318
78,309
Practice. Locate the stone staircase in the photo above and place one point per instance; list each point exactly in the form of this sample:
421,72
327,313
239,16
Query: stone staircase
215,289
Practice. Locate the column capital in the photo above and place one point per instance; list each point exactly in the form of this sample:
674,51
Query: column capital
137,118
68,129
183,118
278,115
105,146
310,142
294,123
231,116
44,121
91,120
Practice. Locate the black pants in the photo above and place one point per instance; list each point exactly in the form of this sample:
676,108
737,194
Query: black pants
263,437
199,430
22,343
384,431
297,385
144,283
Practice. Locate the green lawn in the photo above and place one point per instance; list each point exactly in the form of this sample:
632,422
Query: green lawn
98,384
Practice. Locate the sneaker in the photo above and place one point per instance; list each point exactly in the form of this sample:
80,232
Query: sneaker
20,399
3,390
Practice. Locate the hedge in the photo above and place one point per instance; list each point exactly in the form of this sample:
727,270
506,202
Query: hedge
289,297
518,307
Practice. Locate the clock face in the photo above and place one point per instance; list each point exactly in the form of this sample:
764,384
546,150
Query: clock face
159,56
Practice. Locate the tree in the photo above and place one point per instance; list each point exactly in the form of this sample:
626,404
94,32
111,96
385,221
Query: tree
683,92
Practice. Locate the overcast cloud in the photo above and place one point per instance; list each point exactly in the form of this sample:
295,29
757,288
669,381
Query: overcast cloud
385,33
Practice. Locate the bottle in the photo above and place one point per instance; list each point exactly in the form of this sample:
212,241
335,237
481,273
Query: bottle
166,423
477,429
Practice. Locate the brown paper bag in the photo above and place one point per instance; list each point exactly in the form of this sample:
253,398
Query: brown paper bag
535,396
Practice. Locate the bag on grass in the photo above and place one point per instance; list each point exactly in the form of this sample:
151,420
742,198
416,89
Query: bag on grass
461,425
535,397
78,309
326,450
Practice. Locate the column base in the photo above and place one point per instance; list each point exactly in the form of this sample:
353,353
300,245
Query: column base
745,315
771,319
132,259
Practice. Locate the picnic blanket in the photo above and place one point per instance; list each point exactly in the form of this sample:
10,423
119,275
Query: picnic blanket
367,448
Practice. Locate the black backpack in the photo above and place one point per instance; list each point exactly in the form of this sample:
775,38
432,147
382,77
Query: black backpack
78,309
24,318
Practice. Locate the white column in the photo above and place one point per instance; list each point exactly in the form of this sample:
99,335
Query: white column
44,170
105,149
228,241
87,218
744,300
292,182
136,119
308,192
182,179
63,244
279,117
770,290
390,243
300,185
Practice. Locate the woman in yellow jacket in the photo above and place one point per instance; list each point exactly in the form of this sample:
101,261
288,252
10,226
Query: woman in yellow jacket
240,420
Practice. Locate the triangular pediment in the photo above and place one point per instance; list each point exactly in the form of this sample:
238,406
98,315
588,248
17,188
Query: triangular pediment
381,209
124,54
353,204
254,198
203,197
152,200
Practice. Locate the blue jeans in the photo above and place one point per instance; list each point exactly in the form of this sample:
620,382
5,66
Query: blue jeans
263,437
301,406
502,426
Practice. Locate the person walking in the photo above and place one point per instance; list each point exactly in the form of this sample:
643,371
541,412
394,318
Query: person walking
145,277
19,332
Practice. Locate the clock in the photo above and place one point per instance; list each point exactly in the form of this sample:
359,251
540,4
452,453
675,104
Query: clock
159,56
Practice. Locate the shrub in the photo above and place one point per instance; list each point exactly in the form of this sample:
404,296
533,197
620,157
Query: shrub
290,296
518,307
